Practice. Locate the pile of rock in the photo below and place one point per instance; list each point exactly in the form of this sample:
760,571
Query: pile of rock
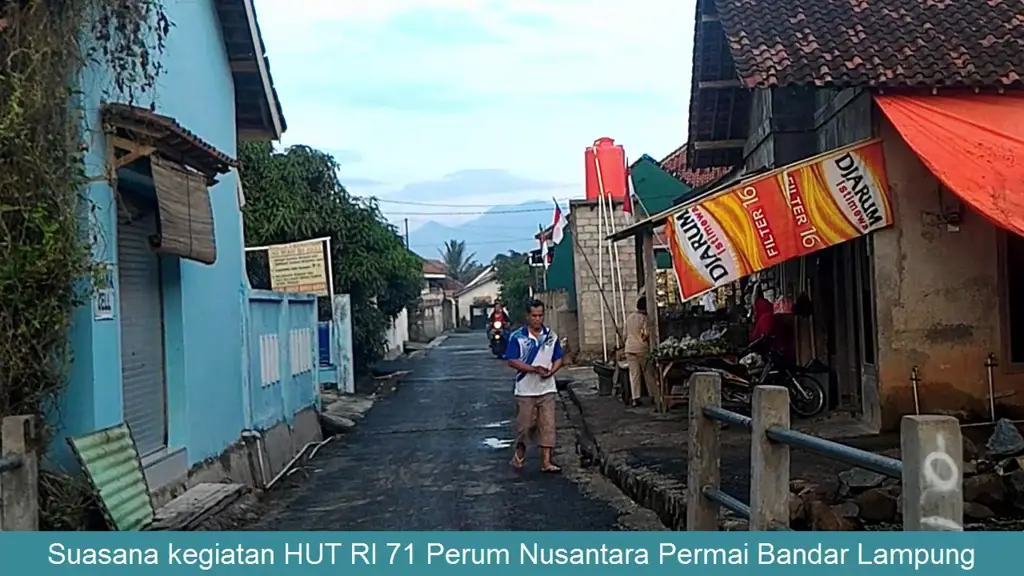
858,499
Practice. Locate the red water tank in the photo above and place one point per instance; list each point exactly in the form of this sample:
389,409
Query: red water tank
611,159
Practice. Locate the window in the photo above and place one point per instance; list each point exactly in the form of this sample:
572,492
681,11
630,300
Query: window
1015,297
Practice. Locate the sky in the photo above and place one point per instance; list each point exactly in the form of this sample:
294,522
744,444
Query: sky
442,108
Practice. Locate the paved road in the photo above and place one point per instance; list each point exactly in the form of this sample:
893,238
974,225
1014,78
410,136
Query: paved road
434,456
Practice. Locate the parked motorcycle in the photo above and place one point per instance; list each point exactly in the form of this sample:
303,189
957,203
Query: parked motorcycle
497,335
806,394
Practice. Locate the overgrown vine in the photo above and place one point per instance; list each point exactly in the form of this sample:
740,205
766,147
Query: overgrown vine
45,231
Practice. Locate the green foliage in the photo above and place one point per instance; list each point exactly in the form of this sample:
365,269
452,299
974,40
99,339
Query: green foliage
45,234
296,195
513,273
46,265
457,263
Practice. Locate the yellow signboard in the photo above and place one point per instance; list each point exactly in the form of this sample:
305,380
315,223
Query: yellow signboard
299,267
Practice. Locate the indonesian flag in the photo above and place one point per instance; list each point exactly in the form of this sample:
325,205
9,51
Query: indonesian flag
627,201
558,225
545,256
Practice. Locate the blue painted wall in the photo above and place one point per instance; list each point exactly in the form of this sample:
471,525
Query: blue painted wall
284,354
204,305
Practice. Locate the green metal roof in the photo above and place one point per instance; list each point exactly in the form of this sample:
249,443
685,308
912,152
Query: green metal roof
111,461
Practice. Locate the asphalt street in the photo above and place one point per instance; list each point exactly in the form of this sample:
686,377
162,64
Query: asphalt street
435,455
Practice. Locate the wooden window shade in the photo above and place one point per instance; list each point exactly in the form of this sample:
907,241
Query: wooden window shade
186,216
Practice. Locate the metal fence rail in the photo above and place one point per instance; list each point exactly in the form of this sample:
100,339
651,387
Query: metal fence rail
931,471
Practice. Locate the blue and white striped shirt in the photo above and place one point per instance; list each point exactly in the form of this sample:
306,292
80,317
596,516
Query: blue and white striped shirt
543,350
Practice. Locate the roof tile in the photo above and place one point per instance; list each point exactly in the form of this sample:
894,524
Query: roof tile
880,43
677,165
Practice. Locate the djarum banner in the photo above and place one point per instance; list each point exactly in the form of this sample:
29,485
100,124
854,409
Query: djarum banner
783,214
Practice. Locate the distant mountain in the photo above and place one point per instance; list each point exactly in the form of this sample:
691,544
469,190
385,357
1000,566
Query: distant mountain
494,232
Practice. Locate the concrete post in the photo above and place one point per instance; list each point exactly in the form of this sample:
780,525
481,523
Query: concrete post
19,488
932,452
702,468
769,461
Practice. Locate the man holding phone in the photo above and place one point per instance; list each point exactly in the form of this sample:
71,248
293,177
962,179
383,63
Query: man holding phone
536,354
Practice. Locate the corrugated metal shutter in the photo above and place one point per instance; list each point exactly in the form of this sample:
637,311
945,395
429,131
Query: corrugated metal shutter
142,342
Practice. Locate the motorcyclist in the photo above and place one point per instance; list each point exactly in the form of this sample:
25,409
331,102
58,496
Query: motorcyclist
499,314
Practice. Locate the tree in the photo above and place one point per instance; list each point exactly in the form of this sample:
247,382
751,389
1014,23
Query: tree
457,263
513,273
296,195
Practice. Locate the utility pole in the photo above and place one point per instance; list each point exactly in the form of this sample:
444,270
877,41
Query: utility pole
406,233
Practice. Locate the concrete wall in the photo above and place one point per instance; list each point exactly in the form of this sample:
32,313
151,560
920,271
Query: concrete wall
487,290
937,299
205,307
589,251
561,316
428,321
282,358
397,335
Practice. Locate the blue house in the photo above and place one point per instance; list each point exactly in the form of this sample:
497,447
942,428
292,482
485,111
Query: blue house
215,380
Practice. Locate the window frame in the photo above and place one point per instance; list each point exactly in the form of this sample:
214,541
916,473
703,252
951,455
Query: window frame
1006,363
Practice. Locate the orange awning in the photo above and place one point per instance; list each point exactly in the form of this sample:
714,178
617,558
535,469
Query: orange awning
974,144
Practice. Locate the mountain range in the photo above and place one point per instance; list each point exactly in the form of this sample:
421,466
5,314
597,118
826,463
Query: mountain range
496,231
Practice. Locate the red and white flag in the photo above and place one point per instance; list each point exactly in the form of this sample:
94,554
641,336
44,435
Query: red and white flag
545,255
627,200
558,225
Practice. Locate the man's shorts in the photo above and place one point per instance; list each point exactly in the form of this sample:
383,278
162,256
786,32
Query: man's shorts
535,420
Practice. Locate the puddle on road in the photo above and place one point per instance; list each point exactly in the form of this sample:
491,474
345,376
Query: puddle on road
497,424
497,443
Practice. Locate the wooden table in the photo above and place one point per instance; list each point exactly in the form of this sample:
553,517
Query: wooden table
674,377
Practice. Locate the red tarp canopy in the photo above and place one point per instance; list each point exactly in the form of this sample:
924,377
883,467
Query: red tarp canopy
974,144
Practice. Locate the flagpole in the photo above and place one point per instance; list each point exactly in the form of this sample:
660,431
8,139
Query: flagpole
618,263
618,305
600,258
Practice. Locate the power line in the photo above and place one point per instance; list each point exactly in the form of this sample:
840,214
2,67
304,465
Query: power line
478,213
440,205
471,244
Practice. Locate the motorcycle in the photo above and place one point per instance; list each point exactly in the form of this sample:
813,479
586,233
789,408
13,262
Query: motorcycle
498,338
806,394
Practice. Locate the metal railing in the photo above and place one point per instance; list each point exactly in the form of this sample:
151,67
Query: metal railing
19,474
931,471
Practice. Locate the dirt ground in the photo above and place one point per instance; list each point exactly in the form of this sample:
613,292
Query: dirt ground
658,443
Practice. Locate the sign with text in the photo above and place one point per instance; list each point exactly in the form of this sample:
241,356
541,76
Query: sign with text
299,267
783,214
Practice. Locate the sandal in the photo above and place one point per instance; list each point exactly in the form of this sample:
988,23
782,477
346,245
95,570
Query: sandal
551,469
518,461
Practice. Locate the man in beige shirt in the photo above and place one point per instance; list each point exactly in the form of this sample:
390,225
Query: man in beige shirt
637,348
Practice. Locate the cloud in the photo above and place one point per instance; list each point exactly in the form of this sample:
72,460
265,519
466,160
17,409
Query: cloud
344,156
425,90
360,183
441,26
474,183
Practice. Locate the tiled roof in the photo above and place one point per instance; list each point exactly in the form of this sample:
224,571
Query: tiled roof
148,127
434,267
676,165
879,43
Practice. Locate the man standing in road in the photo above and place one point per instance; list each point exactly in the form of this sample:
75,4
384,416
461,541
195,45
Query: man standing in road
534,351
